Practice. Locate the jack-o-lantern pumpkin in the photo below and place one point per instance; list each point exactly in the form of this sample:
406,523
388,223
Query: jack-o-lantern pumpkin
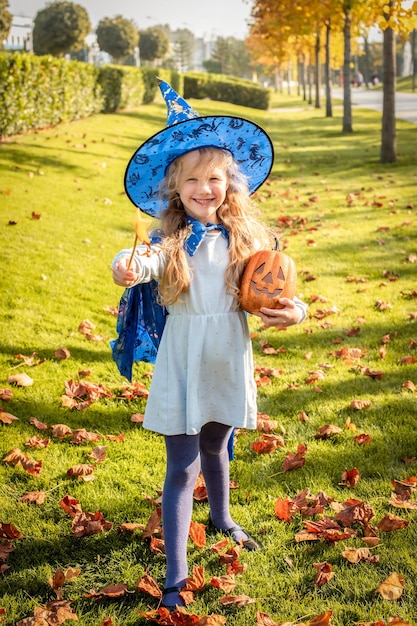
268,276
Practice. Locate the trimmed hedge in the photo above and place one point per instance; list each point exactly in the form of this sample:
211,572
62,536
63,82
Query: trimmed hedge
41,91
122,87
226,89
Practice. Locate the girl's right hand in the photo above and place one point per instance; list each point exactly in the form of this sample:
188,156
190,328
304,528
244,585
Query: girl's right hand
123,276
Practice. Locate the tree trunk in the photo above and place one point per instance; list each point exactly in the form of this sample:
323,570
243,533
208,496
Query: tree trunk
317,51
329,112
303,75
413,56
367,65
389,138
347,100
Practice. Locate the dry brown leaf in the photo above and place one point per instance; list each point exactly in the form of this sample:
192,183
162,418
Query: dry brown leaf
197,533
120,437
350,425
392,588
354,555
37,442
402,501
225,583
358,405
35,497
81,435
39,425
82,471
371,541
267,443
55,612
129,527
157,545
60,431
70,505
265,424
232,554
111,591
154,524
327,431
148,585
31,360
137,417
220,545
7,418
320,620
354,511
86,523
294,461
241,600
392,522
362,439
196,582
20,380
60,577
324,573
98,454
263,619
6,394
16,457
409,385
350,478
285,509
9,531
62,354
86,327
366,371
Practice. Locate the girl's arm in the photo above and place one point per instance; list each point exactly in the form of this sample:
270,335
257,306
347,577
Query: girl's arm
147,264
293,312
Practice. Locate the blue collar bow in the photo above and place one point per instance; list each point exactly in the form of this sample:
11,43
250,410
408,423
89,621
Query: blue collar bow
197,232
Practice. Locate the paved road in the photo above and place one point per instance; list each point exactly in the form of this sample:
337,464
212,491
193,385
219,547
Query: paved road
405,103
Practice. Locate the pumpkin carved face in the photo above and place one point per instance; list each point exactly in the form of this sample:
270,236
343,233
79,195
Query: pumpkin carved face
269,276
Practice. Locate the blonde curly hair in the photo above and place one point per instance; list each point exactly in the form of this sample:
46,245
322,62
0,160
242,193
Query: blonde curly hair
238,214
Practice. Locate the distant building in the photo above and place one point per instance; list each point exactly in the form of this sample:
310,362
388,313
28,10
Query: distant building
21,39
20,35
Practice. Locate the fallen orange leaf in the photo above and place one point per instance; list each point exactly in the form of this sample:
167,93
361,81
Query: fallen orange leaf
148,585
197,534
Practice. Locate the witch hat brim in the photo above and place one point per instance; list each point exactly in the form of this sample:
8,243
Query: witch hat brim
249,144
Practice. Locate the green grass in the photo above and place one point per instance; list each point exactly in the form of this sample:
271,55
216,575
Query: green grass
405,83
353,217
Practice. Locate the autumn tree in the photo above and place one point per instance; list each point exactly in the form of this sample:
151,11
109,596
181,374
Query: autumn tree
269,34
183,48
394,17
230,56
154,44
60,28
118,36
6,19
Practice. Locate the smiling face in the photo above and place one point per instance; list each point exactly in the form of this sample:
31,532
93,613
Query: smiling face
202,185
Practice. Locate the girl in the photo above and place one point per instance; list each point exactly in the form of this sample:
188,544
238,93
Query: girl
203,384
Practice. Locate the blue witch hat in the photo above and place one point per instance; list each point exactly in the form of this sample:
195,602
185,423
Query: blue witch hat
185,131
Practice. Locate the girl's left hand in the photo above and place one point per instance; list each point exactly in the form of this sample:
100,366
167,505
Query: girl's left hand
281,318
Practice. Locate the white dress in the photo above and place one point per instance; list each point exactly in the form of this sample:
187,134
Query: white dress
204,367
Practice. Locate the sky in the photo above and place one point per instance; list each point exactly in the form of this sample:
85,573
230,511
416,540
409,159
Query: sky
205,18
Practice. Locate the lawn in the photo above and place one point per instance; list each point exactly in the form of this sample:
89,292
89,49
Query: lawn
339,390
